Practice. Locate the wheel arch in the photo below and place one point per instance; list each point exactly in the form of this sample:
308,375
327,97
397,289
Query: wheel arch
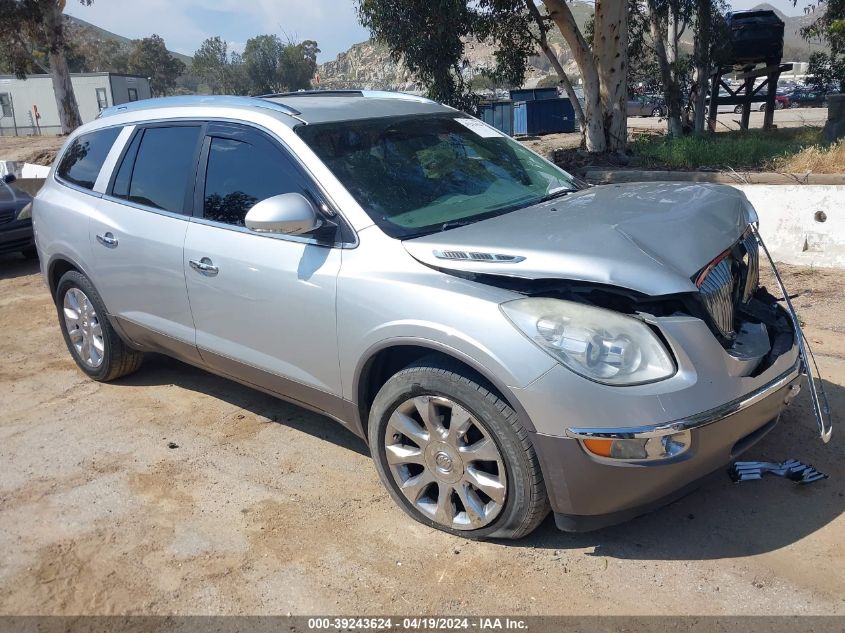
384,360
56,269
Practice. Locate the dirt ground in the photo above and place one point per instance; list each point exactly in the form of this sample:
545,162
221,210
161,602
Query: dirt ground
261,507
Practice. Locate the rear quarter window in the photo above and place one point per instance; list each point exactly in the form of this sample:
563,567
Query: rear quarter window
81,163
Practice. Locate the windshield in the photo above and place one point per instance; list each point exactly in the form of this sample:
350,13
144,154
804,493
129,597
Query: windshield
417,175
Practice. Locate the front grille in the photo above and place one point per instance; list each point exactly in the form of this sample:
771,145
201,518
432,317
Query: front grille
751,261
717,293
730,279
7,215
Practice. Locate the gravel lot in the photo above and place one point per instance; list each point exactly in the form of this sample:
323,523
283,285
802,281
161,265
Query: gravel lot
262,507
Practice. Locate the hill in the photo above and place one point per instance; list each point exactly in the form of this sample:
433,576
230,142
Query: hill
368,64
102,35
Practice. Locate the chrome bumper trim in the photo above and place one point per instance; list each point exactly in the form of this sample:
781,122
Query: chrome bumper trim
695,421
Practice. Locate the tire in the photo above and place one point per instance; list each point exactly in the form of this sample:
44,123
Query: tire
105,357
738,109
779,105
763,107
657,112
490,430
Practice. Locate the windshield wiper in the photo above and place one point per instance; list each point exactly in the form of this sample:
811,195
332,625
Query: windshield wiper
453,224
556,193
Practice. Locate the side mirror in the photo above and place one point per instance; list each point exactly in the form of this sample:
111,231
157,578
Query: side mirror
9,178
288,213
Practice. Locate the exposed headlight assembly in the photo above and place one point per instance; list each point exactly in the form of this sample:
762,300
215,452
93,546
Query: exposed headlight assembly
599,344
25,213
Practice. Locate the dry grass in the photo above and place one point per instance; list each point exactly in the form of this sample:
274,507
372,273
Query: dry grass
818,159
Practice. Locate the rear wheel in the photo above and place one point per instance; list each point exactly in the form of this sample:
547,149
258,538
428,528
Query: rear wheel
90,338
738,109
453,454
657,112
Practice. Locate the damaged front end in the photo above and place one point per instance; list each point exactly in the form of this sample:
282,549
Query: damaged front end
753,326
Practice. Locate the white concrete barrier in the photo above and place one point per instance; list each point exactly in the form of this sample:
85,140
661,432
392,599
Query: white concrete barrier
801,224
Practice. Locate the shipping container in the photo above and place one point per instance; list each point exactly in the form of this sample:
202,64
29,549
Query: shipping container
499,114
546,116
533,94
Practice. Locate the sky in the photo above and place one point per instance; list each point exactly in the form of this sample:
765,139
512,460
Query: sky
184,24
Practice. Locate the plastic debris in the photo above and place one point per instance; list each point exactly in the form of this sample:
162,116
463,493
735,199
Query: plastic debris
790,469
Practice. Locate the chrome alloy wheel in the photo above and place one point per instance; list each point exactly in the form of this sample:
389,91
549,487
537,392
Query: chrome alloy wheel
83,328
445,462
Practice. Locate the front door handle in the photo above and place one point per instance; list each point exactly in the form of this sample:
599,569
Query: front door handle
204,266
107,239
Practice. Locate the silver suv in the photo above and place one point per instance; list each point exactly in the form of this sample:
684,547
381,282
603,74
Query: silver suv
504,339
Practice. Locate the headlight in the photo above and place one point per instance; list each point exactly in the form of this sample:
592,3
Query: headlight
25,213
598,344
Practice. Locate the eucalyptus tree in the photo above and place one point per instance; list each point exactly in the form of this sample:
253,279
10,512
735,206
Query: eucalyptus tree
430,38
30,26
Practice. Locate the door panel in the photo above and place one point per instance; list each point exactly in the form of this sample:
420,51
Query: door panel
263,305
271,304
140,274
138,237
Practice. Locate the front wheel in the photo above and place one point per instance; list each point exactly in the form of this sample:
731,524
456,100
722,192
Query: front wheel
454,455
738,109
657,112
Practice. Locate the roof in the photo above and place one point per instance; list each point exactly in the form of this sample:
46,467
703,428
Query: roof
303,107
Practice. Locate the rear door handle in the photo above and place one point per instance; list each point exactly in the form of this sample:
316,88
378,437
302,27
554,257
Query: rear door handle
107,239
204,266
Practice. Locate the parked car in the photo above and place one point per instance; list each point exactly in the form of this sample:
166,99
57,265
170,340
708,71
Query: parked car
807,98
15,219
646,105
504,340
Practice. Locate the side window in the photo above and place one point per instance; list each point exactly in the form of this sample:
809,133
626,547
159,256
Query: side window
82,161
241,173
102,99
120,188
133,94
158,167
5,104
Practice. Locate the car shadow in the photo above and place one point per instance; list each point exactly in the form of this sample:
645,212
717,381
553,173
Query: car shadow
160,370
722,519
14,265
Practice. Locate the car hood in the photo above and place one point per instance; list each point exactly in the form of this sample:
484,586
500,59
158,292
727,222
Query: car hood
651,238
10,197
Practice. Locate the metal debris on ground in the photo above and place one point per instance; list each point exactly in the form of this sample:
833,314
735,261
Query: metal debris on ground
791,469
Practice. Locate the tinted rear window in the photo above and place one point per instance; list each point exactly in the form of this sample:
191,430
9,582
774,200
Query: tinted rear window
82,161
164,167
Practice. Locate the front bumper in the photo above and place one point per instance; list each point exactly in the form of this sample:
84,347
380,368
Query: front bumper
16,238
587,492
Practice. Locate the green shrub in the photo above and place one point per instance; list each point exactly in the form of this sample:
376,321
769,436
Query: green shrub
754,149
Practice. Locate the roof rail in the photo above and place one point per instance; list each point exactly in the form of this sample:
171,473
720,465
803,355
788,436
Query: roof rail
371,94
197,101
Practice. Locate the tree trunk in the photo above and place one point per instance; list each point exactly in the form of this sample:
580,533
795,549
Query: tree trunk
702,61
59,72
594,116
610,43
561,73
671,89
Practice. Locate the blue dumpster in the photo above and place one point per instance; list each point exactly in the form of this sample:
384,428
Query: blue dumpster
533,94
499,114
545,116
